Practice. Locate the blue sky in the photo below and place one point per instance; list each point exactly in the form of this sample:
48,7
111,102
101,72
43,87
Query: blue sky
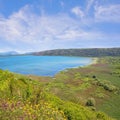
36,25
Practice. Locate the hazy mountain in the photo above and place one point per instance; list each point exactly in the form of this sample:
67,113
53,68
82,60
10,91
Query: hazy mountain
9,53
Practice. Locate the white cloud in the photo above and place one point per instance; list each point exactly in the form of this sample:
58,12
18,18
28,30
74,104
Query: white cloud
78,12
77,34
108,13
25,26
33,32
89,4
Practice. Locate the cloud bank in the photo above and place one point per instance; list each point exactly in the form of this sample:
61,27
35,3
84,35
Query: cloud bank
30,31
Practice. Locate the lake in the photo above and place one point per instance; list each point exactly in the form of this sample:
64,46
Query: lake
41,65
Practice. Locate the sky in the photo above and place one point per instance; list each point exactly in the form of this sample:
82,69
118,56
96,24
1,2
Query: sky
37,25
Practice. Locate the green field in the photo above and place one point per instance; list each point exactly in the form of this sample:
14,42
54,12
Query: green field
84,93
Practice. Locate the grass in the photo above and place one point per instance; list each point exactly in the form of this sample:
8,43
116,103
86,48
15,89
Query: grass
111,107
24,99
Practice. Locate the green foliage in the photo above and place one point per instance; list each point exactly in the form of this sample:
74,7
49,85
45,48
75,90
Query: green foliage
12,109
90,102
74,111
77,76
99,94
23,98
101,116
107,85
111,106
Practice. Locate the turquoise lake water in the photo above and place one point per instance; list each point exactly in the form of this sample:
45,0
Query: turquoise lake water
41,65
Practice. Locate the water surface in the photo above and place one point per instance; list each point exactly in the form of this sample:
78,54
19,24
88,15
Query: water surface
41,65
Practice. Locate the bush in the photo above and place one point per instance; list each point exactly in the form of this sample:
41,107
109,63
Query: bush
90,102
106,85
93,76
110,87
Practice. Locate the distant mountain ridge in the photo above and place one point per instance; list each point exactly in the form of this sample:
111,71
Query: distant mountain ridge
9,53
86,52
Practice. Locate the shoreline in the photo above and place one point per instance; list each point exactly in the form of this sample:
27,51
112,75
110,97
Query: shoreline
93,61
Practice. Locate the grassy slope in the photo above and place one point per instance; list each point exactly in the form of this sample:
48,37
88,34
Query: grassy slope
100,81
24,99
112,105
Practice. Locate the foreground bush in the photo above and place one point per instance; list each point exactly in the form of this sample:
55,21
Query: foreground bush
17,110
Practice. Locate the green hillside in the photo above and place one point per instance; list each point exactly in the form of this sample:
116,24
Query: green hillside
88,52
26,99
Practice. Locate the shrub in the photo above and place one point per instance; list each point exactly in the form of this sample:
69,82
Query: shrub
106,85
93,76
90,102
110,87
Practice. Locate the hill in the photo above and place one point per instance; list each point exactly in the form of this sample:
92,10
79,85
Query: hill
9,53
24,99
91,52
